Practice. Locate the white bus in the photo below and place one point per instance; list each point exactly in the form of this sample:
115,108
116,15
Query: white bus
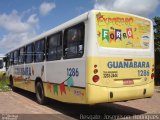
97,57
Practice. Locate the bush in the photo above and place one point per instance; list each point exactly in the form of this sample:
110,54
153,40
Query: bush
4,83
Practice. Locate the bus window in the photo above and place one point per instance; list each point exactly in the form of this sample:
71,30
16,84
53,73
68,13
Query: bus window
16,54
21,55
39,51
29,53
54,47
74,41
7,61
11,58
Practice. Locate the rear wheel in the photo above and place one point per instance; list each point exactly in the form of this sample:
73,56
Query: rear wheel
40,93
11,82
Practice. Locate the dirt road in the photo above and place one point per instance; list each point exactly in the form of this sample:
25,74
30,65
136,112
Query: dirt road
24,105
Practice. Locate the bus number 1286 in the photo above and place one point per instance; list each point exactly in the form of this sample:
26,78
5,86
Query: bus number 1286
143,72
72,72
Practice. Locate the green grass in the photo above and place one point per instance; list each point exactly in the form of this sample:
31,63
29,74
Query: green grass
4,82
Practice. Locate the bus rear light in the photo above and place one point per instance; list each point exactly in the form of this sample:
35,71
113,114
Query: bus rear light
95,71
152,76
95,78
95,66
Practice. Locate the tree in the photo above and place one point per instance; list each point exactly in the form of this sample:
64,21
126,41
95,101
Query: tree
157,27
157,33
157,48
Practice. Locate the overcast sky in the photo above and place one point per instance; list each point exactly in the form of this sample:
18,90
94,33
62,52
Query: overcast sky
21,20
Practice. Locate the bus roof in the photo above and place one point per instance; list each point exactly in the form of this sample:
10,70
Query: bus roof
69,23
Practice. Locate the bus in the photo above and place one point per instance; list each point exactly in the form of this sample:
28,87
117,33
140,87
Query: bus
97,57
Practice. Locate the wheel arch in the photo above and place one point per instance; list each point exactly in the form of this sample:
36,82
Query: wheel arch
11,78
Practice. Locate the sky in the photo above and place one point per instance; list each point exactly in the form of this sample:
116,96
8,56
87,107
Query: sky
21,20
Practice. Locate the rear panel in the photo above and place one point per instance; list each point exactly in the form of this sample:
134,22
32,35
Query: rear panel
123,58
120,72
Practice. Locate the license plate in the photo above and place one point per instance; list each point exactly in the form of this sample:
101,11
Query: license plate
128,82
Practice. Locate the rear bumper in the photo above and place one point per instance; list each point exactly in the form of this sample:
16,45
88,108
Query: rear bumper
98,94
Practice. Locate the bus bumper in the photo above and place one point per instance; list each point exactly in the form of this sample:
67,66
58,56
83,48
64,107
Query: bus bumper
98,94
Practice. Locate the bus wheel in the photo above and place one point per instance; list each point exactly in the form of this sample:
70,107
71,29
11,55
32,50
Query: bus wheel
40,93
11,82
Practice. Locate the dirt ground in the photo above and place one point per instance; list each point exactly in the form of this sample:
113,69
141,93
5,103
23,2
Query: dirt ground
22,105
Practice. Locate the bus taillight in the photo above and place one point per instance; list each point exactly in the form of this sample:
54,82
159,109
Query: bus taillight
95,66
152,76
95,78
95,71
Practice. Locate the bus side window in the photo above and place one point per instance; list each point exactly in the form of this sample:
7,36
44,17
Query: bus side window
54,47
16,54
39,50
74,41
11,58
29,53
7,61
21,55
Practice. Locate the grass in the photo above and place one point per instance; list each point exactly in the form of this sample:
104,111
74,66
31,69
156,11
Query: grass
4,82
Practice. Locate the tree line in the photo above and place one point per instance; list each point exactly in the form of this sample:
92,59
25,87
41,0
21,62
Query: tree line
157,49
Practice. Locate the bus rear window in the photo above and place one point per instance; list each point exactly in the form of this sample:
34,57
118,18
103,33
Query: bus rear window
122,31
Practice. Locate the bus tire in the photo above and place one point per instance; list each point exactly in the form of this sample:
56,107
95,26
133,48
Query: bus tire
11,82
40,93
